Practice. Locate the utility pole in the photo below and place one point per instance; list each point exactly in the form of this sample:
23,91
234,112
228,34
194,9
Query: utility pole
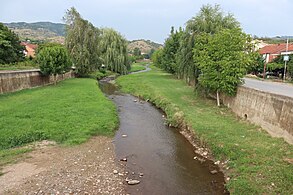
286,58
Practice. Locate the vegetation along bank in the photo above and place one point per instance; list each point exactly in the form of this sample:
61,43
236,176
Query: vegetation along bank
256,162
69,113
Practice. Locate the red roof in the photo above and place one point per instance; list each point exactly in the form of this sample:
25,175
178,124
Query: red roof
275,48
32,46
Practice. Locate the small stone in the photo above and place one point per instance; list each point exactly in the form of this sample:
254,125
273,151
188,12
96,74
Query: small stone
272,184
120,174
133,182
214,172
140,174
195,158
123,159
132,173
163,116
115,172
228,178
205,153
124,135
147,100
135,100
217,162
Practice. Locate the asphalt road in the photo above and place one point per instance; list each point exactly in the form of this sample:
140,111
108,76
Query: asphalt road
268,86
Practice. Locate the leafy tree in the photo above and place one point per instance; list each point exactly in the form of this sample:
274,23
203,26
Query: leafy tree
82,41
157,57
113,48
211,19
10,48
136,52
53,60
172,43
222,60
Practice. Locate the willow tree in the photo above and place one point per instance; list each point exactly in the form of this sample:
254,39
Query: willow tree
82,42
113,49
209,20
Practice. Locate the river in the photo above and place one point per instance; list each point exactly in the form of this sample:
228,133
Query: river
157,155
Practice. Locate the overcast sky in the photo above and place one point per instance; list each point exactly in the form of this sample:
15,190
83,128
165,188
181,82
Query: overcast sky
152,19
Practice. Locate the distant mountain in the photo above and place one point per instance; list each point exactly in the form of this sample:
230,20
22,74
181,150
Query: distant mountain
145,46
275,40
39,31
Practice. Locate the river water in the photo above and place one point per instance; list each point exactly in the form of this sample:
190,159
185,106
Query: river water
158,156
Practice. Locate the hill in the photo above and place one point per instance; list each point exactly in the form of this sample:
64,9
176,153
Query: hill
39,31
145,46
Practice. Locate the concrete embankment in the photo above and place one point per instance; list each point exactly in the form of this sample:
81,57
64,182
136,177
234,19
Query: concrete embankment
272,112
11,81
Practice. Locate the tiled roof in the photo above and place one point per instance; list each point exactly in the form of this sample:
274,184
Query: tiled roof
275,48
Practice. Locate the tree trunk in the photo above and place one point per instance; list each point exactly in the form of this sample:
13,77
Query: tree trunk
218,98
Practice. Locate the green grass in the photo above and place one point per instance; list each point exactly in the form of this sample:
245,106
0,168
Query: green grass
68,113
137,67
25,65
256,160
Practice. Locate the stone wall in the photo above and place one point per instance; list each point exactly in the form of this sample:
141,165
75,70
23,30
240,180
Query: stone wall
272,112
11,81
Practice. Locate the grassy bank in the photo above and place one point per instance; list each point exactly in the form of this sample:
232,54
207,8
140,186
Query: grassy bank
258,164
137,67
69,113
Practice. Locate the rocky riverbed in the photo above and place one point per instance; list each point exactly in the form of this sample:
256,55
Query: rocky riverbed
51,169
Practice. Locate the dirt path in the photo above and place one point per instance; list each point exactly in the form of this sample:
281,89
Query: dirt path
84,169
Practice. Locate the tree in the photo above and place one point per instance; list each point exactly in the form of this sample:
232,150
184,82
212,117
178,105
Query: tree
10,48
82,41
223,60
53,60
211,19
172,43
113,48
136,52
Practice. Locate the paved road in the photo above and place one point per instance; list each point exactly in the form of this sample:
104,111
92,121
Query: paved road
272,87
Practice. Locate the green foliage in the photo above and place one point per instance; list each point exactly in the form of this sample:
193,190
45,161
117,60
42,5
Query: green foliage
222,60
100,74
82,41
172,43
68,113
53,60
22,65
10,49
136,52
211,19
113,48
257,63
137,67
274,66
255,159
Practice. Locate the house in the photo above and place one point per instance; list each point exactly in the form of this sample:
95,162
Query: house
272,51
30,49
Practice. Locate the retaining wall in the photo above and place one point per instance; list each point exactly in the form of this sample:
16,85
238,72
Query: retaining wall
11,81
272,112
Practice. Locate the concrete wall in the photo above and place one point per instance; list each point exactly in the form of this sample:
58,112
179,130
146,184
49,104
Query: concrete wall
272,112
17,80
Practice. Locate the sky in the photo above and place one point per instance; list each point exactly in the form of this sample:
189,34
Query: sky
152,19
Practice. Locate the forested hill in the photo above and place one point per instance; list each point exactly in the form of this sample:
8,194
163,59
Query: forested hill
145,46
39,31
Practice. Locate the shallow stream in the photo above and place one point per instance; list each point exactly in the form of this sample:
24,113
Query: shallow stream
157,155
